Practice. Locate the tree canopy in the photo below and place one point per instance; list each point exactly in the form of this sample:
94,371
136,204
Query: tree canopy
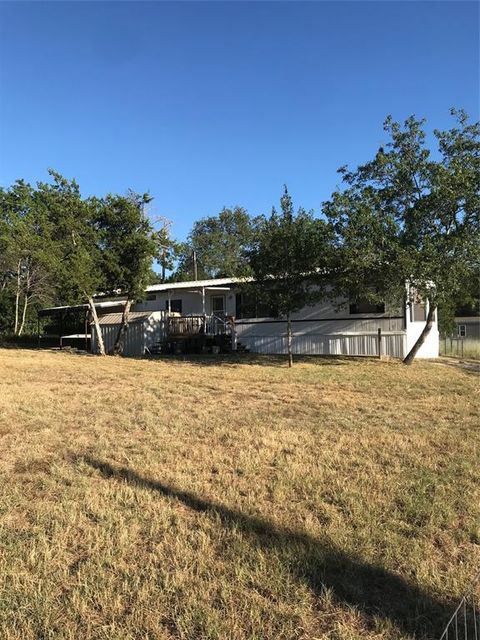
405,217
290,259
219,244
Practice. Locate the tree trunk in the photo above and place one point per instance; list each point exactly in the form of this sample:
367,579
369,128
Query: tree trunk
17,298
423,336
118,346
164,257
96,325
24,315
289,341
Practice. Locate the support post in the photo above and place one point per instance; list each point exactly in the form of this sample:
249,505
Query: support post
379,339
233,332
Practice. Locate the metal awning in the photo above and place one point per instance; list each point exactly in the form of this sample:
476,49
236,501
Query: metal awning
116,318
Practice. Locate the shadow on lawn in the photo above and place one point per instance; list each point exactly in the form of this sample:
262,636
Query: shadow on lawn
373,590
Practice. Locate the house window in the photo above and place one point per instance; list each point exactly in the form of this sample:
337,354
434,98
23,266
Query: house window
366,307
175,306
218,305
151,297
462,330
418,312
247,306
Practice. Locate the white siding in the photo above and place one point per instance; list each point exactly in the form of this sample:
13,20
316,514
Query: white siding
139,334
191,302
393,344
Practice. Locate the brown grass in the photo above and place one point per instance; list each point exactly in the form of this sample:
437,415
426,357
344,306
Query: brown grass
217,499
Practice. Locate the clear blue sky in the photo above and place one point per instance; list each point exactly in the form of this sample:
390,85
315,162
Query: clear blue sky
212,104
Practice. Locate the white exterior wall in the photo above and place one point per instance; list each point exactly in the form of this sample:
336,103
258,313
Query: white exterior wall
191,302
139,336
430,348
323,328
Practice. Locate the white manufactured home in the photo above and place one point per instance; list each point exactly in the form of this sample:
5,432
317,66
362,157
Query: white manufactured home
208,315
352,328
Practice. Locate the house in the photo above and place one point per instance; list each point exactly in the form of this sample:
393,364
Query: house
202,314
467,327
325,328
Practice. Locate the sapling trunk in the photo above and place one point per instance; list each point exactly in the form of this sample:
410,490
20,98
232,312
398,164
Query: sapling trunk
96,326
423,336
24,315
119,341
17,298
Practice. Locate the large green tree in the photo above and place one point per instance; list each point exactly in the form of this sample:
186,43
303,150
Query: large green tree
217,246
406,218
28,255
127,248
78,266
290,259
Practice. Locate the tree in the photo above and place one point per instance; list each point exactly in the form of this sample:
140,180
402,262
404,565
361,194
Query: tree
289,260
126,250
405,218
78,265
27,261
220,244
167,249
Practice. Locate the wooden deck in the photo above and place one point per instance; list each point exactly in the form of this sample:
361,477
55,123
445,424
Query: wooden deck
199,325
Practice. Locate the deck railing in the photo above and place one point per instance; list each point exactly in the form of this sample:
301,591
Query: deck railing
211,325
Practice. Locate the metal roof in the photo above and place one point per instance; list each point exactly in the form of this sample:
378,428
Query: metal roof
133,316
195,284
98,305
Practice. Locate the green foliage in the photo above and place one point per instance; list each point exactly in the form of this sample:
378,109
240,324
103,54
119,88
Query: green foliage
126,245
221,244
406,217
290,258
56,247
28,255
167,251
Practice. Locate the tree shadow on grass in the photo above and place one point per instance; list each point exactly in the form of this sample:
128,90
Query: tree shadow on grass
373,590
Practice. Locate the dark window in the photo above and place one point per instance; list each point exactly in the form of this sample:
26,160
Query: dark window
175,306
366,307
218,304
247,306
151,297
462,330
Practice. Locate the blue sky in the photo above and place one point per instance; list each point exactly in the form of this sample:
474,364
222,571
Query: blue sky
212,104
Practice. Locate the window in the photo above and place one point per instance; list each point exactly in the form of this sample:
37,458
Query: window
246,306
151,297
218,304
418,312
462,330
366,307
175,306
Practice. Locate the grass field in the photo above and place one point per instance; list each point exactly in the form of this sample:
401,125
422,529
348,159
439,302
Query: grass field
212,499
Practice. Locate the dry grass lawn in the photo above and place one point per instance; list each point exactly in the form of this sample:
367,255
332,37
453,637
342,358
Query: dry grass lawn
231,500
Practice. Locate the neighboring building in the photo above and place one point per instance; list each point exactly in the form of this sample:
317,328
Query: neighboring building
467,327
203,313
